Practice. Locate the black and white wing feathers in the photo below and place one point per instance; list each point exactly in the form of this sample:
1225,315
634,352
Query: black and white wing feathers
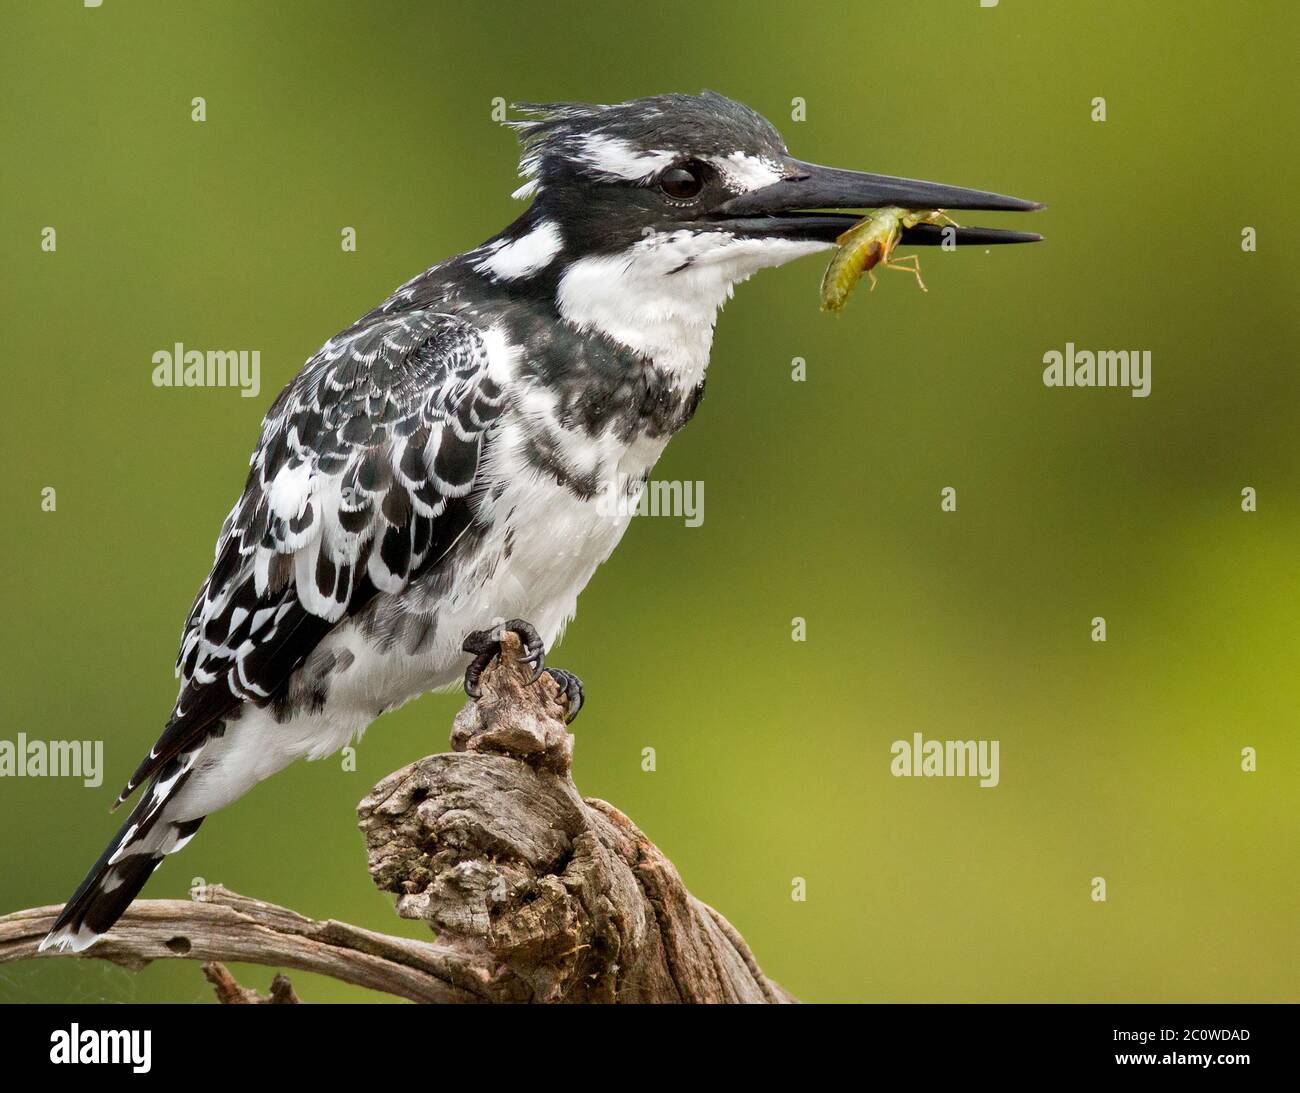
360,481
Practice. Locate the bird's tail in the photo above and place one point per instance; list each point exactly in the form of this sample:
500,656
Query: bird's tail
127,862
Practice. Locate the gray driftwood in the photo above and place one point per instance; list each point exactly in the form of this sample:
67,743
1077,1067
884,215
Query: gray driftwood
535,894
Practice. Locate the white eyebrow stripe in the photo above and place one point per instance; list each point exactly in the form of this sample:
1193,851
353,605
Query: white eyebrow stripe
746,172
616,158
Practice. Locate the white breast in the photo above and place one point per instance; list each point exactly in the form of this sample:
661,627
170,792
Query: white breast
542,544
546,541
661,296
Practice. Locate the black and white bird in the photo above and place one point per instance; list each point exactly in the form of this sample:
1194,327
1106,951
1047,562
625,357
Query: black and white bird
439,465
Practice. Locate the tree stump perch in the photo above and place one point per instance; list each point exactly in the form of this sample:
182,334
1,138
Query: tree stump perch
535,893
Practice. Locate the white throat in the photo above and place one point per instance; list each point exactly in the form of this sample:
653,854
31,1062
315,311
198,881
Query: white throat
661,296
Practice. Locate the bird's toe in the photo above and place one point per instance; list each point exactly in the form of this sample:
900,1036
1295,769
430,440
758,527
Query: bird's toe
572,690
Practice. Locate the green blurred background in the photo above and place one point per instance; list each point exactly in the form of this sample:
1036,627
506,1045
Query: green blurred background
1119,760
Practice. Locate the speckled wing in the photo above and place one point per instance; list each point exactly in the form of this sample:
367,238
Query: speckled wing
360,481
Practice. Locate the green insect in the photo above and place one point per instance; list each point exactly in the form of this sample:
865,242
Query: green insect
870,243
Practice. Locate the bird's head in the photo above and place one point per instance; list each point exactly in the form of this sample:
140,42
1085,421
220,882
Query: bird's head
654,208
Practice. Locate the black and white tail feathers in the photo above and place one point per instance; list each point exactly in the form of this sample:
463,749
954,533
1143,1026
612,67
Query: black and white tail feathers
127,862
360,483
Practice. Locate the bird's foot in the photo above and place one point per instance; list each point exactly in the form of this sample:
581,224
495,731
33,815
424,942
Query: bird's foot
512,709
570,690
486,647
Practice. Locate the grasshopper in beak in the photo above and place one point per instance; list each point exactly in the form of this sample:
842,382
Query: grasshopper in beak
870,243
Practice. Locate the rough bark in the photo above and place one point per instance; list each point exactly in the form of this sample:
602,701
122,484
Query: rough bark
535,893
563,898
231,928
230,993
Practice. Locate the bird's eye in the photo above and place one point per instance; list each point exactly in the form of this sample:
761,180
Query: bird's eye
682,183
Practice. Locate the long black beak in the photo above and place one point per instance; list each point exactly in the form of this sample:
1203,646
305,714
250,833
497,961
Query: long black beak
798,206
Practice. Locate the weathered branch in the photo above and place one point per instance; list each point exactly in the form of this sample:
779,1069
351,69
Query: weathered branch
228,927
535,894
230,993
565,898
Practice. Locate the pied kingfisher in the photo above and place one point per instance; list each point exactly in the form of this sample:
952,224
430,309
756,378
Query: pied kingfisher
437,467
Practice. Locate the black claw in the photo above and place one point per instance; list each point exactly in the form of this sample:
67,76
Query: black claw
486,647
534,649
574,694
482,641
473,672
